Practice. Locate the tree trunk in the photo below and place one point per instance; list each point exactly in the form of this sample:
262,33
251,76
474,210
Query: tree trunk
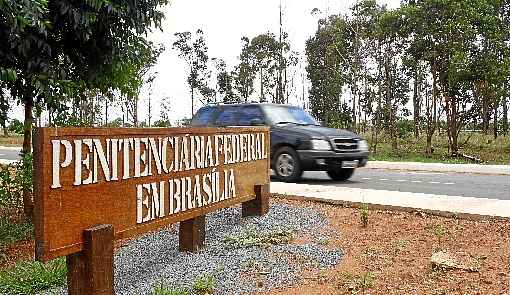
28,204
192,102
106,112
416,105
431,109
485,115
496,105
389,105
505,115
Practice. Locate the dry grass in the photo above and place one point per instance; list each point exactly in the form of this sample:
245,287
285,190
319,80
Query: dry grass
482,146
11,140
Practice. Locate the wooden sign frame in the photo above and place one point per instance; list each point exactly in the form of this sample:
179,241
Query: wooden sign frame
93,186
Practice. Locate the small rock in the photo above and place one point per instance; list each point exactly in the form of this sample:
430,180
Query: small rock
445,260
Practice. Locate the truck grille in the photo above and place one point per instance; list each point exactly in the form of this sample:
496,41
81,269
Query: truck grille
344,145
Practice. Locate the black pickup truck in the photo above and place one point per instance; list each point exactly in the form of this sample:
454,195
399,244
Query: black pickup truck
298,142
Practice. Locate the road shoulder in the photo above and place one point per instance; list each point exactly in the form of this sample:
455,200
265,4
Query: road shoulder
438,204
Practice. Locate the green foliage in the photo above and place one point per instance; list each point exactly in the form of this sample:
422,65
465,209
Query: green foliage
31,277
204,284
439,232
326,68
162,289
162,123
115,123
16,126
405,128
366,280
480,145
13,179
11,233
253,238
193,49
364,214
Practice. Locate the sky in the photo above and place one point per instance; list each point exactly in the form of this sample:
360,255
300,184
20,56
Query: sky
224,23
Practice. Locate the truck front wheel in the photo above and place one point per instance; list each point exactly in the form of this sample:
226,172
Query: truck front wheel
287,166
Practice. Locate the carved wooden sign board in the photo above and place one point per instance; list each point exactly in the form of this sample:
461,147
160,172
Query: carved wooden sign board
138,180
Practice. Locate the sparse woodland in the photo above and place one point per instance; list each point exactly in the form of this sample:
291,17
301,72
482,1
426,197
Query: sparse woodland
429,80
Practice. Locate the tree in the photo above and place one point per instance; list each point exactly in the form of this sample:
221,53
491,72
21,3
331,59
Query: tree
194,53
165,110
465,45
4,110
262,53
244,74
327,70
60,47
225,82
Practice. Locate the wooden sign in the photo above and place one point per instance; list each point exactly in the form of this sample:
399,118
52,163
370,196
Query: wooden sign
136,180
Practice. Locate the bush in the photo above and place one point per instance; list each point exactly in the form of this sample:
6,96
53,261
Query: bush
405,128
13,179
16,126
162,123
364,214
11,233
115,123
204,284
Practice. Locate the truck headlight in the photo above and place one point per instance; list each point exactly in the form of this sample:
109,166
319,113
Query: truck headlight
319,144
363,145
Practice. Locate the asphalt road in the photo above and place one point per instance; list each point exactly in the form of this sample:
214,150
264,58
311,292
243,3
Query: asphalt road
11,154
453,184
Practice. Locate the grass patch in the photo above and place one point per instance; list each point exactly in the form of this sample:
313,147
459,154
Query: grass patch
255,239
11,233
351,282
482,146
204,284
162,289
32,277
11,140
364,214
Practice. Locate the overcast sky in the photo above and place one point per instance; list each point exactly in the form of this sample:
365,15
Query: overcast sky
224,22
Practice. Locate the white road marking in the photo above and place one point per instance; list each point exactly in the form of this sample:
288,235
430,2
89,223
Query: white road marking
383,179
449,183
366,178
434,182
401,180
2,155
416,181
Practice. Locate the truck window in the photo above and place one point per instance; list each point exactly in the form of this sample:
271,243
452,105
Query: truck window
227,117
203,116
248,113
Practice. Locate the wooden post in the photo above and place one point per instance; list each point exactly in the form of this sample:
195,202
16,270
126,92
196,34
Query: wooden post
260,205
192,234
91,270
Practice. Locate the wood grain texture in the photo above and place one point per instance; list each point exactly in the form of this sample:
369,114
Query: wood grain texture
258,206
90,272
192,234
62,214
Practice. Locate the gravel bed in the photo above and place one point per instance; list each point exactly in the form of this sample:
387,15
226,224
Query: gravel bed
154,258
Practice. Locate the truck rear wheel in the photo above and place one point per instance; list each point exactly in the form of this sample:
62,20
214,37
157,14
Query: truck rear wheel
287,166
341,174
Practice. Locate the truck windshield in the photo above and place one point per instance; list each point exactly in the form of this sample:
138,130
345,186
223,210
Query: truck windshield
288,115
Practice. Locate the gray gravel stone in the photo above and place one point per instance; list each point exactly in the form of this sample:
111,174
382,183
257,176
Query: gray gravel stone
154,258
